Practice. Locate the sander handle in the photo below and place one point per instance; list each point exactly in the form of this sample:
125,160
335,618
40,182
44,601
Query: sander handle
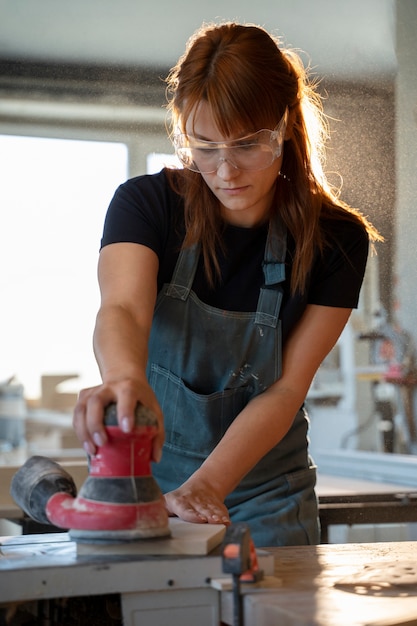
36,482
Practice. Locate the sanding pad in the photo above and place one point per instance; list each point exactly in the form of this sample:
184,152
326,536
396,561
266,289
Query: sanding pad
102,537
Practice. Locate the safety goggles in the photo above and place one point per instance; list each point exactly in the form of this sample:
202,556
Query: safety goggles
256,151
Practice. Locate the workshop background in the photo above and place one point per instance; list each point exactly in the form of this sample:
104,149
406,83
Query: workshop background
82,108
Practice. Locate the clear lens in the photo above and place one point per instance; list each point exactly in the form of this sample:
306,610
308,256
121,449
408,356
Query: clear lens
253,152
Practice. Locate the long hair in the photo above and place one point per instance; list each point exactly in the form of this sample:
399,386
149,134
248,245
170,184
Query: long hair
248,81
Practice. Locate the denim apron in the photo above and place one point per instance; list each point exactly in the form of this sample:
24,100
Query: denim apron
205,364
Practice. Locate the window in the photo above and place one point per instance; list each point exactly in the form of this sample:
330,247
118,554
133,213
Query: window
155,161
53,197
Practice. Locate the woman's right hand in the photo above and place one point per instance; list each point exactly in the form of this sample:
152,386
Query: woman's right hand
88,419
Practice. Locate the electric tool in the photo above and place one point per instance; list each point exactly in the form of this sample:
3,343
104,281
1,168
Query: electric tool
119,501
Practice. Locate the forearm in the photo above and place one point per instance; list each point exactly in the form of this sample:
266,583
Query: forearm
256,430
267,418
127,277
120,345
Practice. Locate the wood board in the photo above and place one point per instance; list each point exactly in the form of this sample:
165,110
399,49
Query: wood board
186,539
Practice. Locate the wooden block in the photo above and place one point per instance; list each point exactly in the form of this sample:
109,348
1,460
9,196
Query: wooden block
186,539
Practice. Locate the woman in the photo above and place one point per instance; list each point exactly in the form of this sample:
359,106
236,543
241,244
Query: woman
224,285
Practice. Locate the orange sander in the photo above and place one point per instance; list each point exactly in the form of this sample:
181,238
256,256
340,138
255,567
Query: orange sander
119,501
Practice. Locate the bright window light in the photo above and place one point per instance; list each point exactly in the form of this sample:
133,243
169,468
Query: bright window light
155,161
53,198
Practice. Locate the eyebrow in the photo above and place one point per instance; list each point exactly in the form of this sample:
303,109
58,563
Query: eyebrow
202,138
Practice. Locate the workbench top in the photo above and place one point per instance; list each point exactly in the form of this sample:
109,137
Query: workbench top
372,584
329,486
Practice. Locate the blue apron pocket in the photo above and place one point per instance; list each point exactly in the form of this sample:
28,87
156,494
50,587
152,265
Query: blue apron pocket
194,423
281,511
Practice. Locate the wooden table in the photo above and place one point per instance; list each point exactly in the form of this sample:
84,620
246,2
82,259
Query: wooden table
372,584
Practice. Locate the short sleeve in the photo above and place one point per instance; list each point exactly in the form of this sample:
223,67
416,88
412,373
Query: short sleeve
338,274
141,211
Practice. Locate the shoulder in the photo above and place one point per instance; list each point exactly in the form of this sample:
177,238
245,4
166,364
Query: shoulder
345,238
143,210
338,271
343,227
146,189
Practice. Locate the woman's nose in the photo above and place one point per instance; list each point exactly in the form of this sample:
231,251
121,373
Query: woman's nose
226,169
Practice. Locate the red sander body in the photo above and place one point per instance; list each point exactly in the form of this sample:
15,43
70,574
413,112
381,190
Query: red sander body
119,501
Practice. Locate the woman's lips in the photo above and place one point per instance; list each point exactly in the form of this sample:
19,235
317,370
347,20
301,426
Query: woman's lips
233,191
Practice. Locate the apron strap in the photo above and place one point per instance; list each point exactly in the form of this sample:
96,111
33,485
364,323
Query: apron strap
275,253
183,277
269,305
270,296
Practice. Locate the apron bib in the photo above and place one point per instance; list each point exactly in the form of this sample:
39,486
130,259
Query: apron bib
205,364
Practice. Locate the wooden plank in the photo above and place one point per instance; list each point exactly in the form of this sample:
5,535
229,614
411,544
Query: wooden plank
186,539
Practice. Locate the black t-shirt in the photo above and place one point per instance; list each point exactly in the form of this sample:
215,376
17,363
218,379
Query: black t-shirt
147,211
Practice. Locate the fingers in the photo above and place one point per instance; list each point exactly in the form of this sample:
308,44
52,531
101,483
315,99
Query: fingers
88,418
127,397
196,508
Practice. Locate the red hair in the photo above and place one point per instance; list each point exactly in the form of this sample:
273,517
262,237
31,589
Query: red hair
248,81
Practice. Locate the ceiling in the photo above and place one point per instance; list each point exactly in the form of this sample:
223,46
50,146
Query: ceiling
344,39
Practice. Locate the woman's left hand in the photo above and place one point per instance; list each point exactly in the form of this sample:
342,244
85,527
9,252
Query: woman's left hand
197,502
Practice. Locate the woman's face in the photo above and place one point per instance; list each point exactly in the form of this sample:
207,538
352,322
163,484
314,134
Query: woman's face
245,196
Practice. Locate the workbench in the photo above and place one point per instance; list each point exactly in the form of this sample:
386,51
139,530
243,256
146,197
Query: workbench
373,584
352,501
326,585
